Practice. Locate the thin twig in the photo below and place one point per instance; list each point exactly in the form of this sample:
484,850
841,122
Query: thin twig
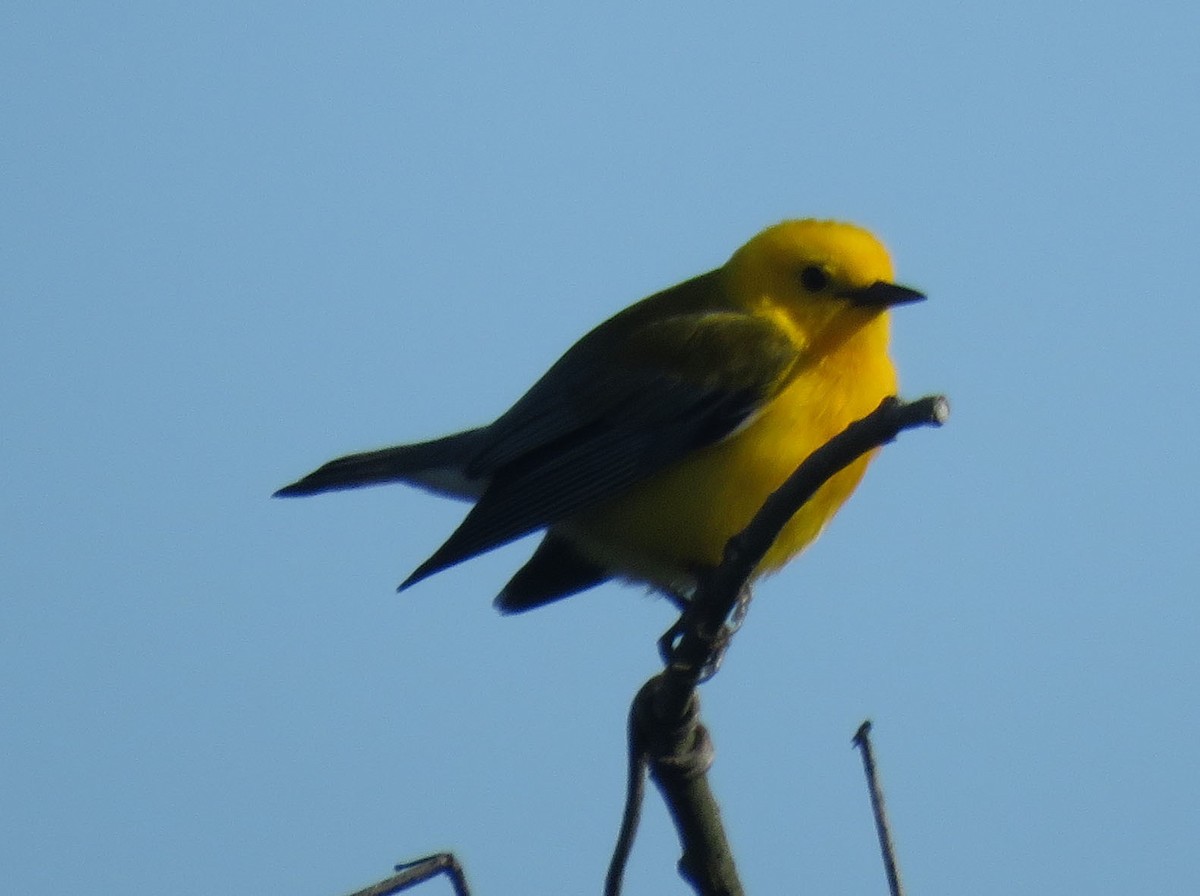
635,795
862,740
418,871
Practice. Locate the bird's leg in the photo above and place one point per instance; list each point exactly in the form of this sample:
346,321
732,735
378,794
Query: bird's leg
681,597
718,641
670,638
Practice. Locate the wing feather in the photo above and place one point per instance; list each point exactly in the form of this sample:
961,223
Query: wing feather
597,423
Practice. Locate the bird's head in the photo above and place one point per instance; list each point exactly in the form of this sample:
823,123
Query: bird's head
821,280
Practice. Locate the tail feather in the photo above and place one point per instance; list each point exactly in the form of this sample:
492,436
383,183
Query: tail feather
435,465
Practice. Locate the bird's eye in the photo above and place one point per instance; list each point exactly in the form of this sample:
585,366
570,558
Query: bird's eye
814,278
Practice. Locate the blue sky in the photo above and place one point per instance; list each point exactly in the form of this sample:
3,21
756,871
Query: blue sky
236,241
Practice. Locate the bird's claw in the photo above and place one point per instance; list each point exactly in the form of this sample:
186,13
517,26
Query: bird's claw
718,642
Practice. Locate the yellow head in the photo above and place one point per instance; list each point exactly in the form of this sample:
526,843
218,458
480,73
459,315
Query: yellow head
820,280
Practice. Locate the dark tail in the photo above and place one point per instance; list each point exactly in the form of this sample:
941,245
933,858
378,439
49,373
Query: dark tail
435,465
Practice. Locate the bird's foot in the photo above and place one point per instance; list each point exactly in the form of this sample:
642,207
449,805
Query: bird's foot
718,641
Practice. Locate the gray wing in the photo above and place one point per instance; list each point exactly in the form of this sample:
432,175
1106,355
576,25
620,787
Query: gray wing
594,425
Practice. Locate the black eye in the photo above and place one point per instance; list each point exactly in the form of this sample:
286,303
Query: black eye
813,278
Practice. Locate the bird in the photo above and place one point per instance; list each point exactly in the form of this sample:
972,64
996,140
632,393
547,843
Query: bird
657,436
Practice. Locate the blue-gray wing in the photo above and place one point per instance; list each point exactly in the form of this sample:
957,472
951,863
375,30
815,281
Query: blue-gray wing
608,415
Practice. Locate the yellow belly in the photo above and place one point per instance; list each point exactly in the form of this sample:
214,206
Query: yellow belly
664,529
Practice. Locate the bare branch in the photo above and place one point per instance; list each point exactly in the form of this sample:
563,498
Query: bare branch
666,734
719,592
862,740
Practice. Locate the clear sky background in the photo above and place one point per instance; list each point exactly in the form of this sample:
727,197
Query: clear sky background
237,240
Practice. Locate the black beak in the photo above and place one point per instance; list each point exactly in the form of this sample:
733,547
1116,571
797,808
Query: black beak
882,294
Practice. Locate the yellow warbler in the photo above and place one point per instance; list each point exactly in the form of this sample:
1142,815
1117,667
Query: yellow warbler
660,433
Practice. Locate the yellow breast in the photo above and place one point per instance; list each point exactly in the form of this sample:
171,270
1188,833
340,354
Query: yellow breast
666,528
